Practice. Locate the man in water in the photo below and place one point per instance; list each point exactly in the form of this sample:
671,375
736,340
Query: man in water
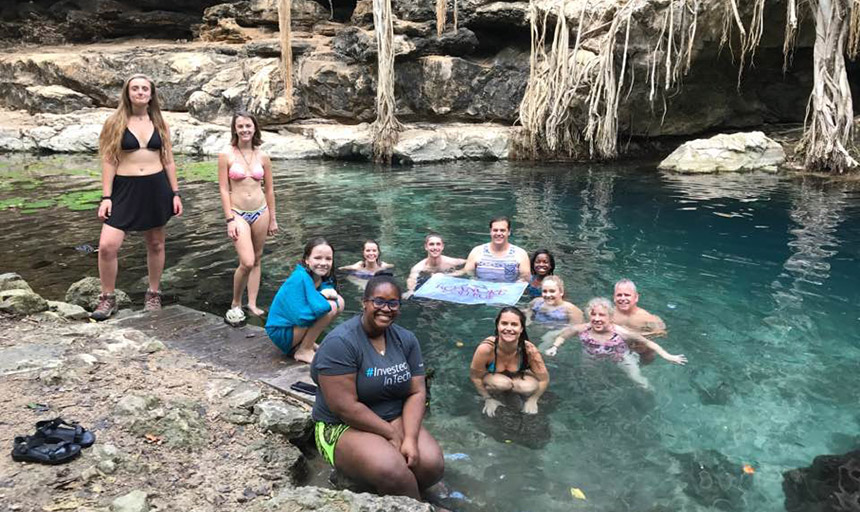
499,260
434,263
629,314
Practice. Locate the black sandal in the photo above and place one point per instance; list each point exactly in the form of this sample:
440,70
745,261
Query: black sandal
62,430
43,450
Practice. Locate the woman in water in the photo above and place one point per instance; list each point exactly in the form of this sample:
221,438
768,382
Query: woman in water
248,201
542,265
551,308
139,188
369,413
508,361
306,303
371,262
603,340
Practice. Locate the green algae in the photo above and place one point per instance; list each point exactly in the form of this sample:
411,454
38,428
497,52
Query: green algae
80,199
198,171
12,202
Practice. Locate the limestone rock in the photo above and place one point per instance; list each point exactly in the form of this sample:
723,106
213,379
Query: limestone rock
55,99
12,281
282,418
331,88
458,142
85,293
22,302
153,346
245,395
502,13
830,484
133,405
180,424
726,152
68,311
315,498
135,501
279,459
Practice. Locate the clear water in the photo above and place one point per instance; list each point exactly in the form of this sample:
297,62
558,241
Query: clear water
755,276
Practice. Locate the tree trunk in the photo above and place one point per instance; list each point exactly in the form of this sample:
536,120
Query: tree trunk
386,126
284,31
830,115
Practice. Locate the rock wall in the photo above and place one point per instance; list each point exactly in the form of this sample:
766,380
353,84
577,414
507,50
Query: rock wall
474,74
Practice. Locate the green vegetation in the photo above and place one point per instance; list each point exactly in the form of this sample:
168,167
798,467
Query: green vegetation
80,200
206,170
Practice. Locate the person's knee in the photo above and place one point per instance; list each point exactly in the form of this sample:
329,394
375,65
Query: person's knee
394,478
155,245
108,248
431,469
333,313
246,264
525,386
498,383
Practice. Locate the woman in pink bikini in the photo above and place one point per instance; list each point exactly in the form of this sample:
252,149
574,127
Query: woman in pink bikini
248,199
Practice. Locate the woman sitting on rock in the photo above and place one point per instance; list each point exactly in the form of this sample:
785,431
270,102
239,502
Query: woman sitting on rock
509,362
139,188
369,412
306,303
248,200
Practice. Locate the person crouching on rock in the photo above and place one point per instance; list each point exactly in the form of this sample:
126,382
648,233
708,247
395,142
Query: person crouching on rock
509,362
140,191
306,303
369,412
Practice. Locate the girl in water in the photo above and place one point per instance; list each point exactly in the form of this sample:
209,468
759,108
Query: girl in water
542,265
306,303
551,308
603,340
248,200
371,262
509,362
139,188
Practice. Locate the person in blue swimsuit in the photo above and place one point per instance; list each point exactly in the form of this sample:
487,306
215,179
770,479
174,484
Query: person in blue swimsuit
551,308
306,303
499,260
542,265
508,362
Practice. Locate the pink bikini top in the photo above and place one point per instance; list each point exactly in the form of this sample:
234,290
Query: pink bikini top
237,172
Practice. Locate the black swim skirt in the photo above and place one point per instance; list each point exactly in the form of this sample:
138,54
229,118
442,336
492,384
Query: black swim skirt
141,202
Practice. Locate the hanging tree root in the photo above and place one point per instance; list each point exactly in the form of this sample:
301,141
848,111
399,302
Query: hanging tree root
570,107
286,63
386,127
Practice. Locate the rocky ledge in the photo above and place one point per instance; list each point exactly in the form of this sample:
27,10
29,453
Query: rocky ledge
419,142
171,432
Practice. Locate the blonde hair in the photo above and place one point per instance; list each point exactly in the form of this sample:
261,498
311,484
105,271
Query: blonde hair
600,302
110,139
554,279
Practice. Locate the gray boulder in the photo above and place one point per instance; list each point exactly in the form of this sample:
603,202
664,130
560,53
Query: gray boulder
726,153
68,311
135,501
12,281
22,302
280,417
85,293
278,459
314,498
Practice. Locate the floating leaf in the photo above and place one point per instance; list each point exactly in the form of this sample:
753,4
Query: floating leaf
577,493
459,343
749,469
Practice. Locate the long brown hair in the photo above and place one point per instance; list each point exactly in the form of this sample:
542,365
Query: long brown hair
113,129
256,140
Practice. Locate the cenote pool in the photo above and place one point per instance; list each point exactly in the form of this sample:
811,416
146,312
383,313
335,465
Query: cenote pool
755,275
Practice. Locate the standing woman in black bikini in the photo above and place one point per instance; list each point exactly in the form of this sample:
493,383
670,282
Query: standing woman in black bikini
139,188
248,199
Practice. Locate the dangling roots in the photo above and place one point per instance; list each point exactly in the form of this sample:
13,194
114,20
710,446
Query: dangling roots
286,64
386,127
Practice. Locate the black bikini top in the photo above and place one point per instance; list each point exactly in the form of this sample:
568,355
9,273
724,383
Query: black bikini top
130,143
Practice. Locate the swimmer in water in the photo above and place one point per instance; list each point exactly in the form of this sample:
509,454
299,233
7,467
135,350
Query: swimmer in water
434,263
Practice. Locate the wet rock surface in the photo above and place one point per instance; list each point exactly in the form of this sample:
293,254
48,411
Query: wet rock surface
830,484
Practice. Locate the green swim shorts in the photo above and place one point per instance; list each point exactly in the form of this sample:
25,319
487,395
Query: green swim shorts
327,436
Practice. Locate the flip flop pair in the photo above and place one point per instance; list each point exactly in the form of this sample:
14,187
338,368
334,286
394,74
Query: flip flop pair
56,441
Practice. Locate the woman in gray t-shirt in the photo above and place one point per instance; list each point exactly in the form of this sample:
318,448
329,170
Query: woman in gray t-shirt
369,412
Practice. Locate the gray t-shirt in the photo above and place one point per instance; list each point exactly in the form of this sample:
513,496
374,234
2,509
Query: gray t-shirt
382,382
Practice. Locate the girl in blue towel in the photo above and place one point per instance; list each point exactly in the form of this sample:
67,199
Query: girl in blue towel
306,303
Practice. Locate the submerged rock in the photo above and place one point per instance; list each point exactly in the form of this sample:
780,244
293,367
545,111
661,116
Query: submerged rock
830,484
726,152
713,480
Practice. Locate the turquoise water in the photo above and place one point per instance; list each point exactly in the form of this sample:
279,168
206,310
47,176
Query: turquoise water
754,274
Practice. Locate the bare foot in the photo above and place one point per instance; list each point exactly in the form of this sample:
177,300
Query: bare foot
304,356
254,310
